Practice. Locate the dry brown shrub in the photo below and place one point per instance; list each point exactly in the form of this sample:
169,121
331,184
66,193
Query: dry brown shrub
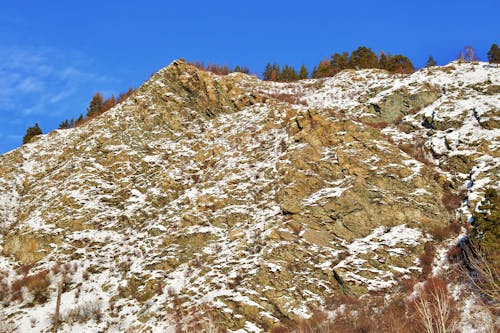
417,151
451,201
426,259
280,329
441,233
434,310
379,125
37,284
406,285
454,254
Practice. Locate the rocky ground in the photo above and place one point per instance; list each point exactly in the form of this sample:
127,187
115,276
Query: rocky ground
249,202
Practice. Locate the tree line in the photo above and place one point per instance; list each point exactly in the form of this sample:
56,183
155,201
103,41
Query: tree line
361,58
219,69
97,106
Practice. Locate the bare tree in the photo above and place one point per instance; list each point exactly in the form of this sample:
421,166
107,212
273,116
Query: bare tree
470,54
434,308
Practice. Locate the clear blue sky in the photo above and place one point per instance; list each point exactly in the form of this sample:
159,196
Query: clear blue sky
54,55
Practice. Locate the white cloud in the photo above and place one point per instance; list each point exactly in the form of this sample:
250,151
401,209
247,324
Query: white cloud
34,80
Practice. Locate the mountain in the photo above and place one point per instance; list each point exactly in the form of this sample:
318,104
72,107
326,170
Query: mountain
242,203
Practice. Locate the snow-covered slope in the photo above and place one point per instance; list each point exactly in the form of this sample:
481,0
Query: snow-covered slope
245,201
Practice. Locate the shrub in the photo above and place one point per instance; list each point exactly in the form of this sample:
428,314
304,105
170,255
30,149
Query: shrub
417,151
83,313
454,254
31,132
434,310
441,233
37,284
426,259
379,125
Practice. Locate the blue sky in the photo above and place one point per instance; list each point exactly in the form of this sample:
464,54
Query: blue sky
54,55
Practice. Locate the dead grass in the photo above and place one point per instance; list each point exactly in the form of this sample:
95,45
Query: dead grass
379,125
289,98
37,284
417,151
83,313
442,232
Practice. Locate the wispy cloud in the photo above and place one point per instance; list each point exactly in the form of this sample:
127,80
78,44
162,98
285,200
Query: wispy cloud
45,85
32,79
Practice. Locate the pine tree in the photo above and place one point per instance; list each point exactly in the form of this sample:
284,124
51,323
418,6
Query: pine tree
288,74
324,69
275,73
430,62
108,103
400,64
363,57
382,61
494,54
314,73
96,106
340,62
64,124
267,72
79,120
303,74
31,132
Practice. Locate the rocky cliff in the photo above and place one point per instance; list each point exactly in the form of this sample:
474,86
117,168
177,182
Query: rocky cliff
247,201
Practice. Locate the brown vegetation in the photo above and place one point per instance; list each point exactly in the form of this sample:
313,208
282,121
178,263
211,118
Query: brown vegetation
37,284
426,259
442,232
417,151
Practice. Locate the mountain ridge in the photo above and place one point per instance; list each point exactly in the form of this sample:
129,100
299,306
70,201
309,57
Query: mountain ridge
260,199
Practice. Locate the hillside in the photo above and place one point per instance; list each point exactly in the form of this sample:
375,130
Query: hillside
247,201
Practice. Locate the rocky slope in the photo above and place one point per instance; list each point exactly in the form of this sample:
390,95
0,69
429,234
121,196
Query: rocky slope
254,201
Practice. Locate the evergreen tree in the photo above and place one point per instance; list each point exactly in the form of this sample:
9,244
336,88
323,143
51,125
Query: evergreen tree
64,124
275,73
125,95
108,103
303,74
324,69
382,61
494,54
267,72
400,64
96,106
289,74
31,132
430,62
242,69
79,119
340,62
363,57
314,73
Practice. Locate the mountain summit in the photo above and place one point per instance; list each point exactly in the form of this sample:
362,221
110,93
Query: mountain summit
243,202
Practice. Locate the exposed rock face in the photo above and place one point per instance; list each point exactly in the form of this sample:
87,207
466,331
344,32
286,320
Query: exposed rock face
401,102
210,190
